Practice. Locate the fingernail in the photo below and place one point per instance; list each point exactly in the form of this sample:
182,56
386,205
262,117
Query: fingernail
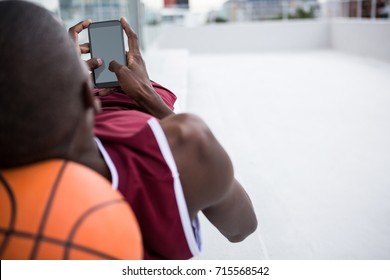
124,19
99,61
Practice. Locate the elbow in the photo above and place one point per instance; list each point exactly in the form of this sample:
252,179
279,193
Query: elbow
244,232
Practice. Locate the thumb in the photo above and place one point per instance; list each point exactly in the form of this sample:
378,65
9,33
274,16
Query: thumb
115,66
94,63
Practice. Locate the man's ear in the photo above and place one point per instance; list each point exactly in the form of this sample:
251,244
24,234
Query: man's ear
89,100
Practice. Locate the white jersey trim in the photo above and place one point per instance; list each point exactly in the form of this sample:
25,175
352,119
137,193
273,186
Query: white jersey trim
110,164
193,241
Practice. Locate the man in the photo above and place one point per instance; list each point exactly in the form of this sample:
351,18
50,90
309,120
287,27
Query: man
168,167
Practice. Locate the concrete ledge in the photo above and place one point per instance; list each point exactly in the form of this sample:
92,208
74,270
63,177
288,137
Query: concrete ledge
247,37
363,37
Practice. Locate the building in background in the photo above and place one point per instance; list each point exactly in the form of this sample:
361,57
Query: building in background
181,4
175,12
73,11
254,10
77,10
357,8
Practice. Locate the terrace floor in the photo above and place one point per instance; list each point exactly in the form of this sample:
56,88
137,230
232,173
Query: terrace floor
308,133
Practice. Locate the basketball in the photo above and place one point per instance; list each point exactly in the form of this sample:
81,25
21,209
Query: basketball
58,209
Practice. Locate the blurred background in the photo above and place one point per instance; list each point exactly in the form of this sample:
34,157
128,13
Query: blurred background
146,16
298,92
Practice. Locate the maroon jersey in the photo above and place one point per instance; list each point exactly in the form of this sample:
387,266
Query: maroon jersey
143,169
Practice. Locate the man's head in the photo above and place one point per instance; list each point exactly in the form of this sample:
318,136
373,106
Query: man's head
43,85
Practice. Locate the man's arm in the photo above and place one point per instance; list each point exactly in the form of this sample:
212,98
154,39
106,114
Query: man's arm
134,79
205,169
207,177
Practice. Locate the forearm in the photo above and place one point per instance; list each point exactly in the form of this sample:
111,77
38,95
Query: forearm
151,102
234,215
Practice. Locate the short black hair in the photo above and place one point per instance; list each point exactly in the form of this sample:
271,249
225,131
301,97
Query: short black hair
41,77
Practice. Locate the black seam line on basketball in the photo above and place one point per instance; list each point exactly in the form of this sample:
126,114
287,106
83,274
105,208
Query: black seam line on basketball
12,222
46,212
81,219
17,233
29,235
92,251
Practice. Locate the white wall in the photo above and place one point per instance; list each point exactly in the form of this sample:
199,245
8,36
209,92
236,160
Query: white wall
247,37
364,37
368,38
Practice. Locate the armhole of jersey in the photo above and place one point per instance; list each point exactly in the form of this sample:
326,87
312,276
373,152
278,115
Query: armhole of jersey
190,228
110,164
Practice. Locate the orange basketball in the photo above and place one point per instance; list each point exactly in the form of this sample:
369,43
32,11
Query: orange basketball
58,209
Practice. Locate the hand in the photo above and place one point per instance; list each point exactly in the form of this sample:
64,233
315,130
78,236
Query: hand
74,31
134,79
92,63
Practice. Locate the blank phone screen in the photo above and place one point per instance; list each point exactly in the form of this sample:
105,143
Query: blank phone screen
106,41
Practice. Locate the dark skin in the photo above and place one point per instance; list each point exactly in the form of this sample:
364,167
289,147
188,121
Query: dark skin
206,171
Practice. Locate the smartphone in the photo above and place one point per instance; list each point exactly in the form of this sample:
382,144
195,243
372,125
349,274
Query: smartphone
106,42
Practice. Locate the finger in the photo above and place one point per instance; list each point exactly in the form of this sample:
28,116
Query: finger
106,91
132,37
74,30
84,48
94,63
